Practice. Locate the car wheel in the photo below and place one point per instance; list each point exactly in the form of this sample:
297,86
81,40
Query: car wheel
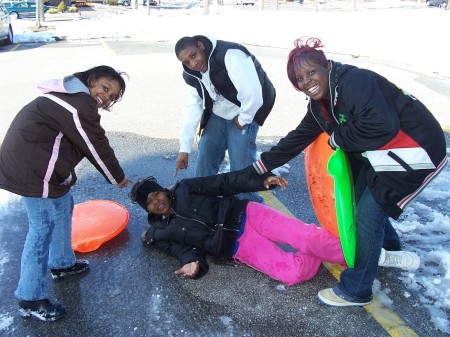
10,37
14,15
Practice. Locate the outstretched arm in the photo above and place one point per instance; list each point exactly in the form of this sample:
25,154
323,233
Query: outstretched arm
290,146
231,183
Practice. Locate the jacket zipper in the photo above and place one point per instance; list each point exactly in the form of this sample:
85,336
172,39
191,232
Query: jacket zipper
206,225
200,222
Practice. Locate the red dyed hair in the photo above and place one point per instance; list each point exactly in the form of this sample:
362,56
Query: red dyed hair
305,51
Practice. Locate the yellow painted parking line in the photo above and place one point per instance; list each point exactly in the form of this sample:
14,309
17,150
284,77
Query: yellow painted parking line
105,45
334,269
12,49
388,319
273,202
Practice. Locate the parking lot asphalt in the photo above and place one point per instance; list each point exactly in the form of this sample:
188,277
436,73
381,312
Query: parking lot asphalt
131,290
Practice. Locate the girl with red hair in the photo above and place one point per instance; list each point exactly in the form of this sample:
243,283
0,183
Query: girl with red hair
395,147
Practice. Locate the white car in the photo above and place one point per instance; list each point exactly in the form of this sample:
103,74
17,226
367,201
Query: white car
6,31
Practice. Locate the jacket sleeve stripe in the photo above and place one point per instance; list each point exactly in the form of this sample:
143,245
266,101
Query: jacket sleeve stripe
51,165
406,201
83,134
259,167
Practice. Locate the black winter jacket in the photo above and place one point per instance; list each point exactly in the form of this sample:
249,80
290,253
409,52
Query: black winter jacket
207,217
46,141
371,118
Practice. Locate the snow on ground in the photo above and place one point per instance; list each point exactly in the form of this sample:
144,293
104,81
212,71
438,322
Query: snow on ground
356,33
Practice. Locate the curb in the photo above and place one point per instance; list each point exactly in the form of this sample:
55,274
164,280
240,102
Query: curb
62,16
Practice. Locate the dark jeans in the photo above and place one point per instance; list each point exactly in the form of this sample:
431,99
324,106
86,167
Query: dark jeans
372,229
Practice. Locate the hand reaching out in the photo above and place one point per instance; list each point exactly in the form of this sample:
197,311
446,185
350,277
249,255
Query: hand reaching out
124,183
274,180
182,162
189,269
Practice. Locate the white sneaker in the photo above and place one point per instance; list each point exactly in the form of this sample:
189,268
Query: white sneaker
328,296
399,259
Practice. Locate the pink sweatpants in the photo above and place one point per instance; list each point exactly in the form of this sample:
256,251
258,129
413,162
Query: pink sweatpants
264,226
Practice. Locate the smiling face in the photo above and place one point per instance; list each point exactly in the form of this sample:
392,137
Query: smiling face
312,80
194,57
158,203
105,91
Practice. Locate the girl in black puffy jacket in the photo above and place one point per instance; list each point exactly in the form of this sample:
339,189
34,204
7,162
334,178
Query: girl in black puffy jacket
200,216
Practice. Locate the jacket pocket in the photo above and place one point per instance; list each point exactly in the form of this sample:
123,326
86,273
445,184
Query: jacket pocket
214,243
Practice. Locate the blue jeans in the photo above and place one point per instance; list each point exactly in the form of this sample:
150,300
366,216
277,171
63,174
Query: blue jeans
218,136
372,228
48,244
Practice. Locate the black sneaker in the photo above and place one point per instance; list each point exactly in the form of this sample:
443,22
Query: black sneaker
43,310
79,267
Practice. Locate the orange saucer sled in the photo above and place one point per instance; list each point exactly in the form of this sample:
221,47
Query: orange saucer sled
95,222
320,183
330,185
